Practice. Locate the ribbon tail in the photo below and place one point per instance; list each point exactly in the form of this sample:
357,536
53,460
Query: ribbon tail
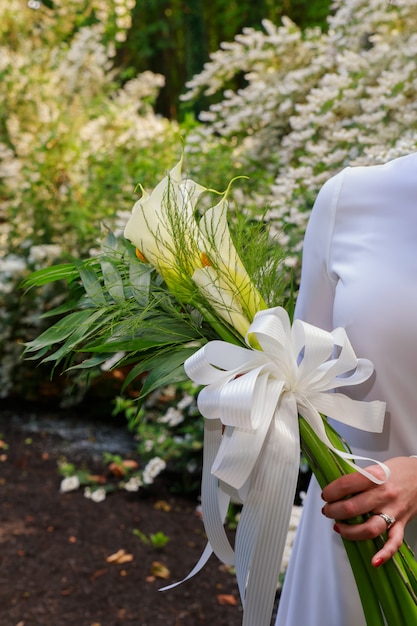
263,526
214,503
208,551
214,500
313,417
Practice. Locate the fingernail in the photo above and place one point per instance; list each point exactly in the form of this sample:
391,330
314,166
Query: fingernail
336,529
378,562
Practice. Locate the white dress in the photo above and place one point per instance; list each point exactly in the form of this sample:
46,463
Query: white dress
360,272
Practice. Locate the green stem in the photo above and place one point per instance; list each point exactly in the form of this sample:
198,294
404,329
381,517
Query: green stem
396,601
223,331
406,558
369,598
401,570
388,587
325,469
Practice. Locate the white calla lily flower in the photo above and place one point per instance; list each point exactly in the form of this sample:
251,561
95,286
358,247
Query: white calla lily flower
194,256
160,224
227,282
222,298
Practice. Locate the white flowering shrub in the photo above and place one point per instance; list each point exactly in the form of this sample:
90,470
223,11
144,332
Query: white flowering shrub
74,142
169,433
313,103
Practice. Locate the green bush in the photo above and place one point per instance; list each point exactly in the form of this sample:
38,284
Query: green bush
74,143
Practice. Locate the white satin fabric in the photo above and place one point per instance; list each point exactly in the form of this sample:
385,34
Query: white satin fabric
359,272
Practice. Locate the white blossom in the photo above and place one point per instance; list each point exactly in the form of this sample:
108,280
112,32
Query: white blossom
69,483
96,495
319,102
154,467
172,417
133,484
185,402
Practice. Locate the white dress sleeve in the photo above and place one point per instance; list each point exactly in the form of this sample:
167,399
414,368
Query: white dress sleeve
317,288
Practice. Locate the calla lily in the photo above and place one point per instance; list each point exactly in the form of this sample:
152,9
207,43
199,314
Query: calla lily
226,281
190,255
222,298
163,228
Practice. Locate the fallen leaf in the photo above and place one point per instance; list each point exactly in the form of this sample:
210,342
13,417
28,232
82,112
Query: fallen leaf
97,478
121,556
66,592
98,573
227,569
120,469
162,505
130,464
160,570
226,599
117,470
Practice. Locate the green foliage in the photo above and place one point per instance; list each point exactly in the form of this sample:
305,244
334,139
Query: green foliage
311,103
170,427
75,137
78,131
176,38
116,309
157,540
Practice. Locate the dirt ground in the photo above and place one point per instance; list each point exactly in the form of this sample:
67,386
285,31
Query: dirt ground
67,561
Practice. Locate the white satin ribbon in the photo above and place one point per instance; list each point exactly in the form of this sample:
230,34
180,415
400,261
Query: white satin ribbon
252,400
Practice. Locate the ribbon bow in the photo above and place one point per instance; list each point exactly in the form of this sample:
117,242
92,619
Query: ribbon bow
252,400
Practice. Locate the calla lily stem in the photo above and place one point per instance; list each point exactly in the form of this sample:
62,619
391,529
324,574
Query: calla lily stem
388,592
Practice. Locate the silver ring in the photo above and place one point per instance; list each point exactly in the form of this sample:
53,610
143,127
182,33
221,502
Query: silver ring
388,519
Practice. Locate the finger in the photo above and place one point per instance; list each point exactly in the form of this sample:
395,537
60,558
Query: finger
392,545
354,506
371,528
346,485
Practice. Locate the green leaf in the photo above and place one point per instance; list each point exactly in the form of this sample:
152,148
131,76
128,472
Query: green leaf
92,285
165,367
89,325
113,281
94,361
140,281
156,379
69,305
148,333
65,271
59,331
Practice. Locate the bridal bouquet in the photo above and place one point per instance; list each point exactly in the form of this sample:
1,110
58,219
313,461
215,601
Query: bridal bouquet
179,296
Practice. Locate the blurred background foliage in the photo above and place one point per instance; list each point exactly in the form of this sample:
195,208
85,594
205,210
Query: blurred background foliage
98,96
91,106
175,38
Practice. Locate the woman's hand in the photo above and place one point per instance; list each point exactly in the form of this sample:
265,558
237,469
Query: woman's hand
354,494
